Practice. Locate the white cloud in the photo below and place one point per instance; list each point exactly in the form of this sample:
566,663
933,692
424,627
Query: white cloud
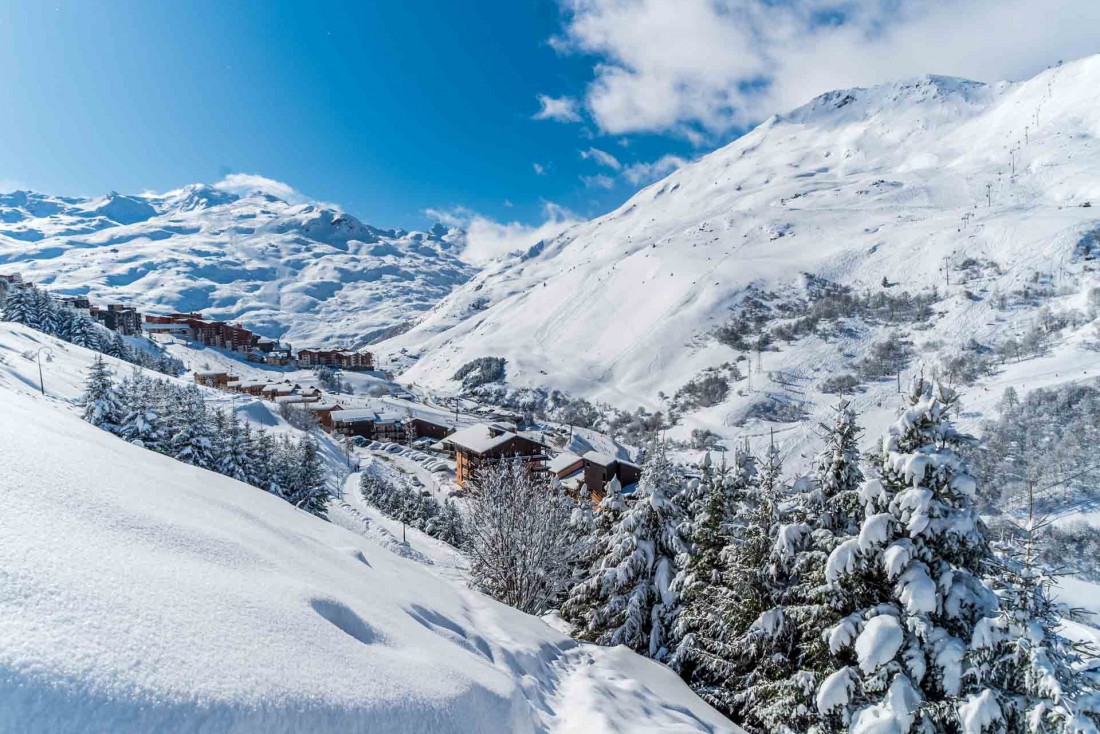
540,170
599,181
487,238
643,173
702,67
602,157
561,109
247,183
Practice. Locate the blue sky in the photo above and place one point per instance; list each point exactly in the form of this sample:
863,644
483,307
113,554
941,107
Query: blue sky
495,112
386,108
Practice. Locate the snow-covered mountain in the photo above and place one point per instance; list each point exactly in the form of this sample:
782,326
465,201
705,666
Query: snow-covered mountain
306,272
987,193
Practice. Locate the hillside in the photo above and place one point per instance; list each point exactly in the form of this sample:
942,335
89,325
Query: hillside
304,272
142,594
979,199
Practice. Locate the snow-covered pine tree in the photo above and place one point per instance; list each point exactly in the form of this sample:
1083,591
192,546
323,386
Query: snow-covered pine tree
449,527
232,458
1036,676
100,399
17,305
141,422
82,331
309,490
744,657
583,597
219,426
65,318
190,429
636,605
43,312
839,476
263,460
916,565
706,532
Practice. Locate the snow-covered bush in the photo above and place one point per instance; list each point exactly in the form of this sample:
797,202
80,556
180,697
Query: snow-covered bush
843,384
521,543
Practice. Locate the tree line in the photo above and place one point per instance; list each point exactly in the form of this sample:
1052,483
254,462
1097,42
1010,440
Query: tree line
174,420
865,597
35,308
415,508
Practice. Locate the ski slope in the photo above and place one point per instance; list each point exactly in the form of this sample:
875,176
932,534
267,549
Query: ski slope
906,181
141,594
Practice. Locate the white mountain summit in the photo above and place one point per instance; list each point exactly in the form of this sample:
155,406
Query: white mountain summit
305,272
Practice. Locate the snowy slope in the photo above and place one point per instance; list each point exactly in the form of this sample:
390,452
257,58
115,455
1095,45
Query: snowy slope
899,181
305,272
141,594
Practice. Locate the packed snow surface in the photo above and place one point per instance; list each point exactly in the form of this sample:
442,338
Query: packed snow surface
140,594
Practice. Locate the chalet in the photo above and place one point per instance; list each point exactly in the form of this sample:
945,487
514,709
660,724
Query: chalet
12,279
600,468
251,388
278,390
482,445
369,424
323,412
295,399
343,359
278,356
417,427
212,378
568,469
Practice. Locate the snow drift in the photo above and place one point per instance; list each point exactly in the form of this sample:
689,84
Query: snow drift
141,594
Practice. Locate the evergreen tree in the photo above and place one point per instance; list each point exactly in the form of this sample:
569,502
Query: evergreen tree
43,312
583,597
307,488
636,605
449,529
141,423
839,476
1036,676
189,427
100,400
17,306
263,461
233,454
916,563
743,658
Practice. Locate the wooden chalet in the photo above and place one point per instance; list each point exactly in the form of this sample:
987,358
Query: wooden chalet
417,427
599,469
278,390
213,378
482,445
368,424
323,412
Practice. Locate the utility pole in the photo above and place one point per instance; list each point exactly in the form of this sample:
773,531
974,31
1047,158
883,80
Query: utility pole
38,356
989,194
